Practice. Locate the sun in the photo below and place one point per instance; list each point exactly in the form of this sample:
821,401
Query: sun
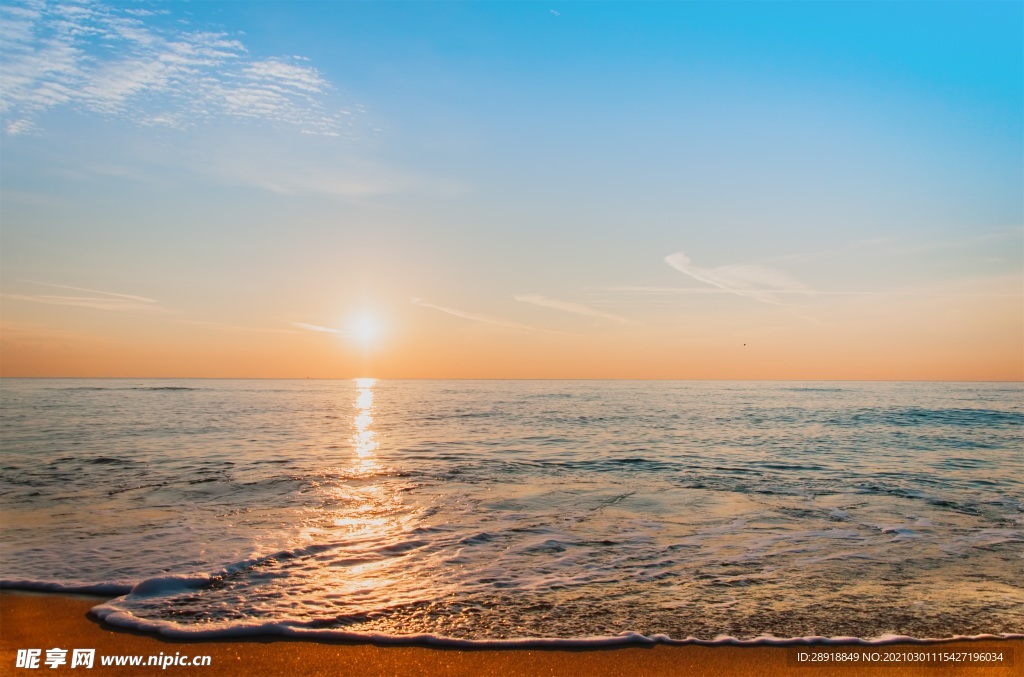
364,329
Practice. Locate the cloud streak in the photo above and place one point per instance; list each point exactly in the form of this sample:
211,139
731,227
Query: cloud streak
476,317
685,291
224,326
133,64
107,300
317,328
570,307
130,297
95,303
760,283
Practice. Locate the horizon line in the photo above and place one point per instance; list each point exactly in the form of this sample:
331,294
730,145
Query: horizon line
443,378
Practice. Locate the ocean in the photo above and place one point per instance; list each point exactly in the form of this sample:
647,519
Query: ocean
504,512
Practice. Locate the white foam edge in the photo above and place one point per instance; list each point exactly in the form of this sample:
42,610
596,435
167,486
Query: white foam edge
99,589
157,585
121,618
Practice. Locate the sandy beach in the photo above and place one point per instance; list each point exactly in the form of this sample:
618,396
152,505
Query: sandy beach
44,621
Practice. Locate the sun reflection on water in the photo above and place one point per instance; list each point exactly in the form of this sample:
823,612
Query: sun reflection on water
364,437
375,524
369,529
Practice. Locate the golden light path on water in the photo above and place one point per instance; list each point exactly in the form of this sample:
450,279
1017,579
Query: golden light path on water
364,442
369,524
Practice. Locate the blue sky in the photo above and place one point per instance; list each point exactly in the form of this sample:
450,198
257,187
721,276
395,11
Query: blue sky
649,175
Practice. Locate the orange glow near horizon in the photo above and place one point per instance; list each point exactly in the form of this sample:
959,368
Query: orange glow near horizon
953,338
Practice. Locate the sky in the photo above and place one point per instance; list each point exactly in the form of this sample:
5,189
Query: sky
689,190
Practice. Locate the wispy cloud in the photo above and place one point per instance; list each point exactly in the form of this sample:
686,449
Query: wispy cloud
308,166
134,64
760,283
130,297
907,244
634,289
107,300
570,307
898,248
316,327
802,257
225,326
95,303
684,291
476,317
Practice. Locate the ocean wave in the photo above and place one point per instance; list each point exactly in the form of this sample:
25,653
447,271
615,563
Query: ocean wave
809,389
918,416
150,388
160,388
111,613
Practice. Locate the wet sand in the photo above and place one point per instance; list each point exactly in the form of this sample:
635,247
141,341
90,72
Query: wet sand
45,621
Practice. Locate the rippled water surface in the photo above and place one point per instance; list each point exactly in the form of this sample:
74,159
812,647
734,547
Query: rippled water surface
505,509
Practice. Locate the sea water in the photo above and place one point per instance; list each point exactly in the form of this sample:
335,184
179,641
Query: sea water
492,511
